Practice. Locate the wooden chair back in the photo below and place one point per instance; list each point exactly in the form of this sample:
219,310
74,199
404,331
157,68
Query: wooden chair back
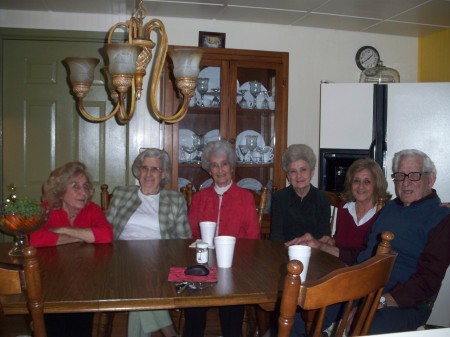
188,191
26,278
260,201
380,203
335,199
105,197
362,282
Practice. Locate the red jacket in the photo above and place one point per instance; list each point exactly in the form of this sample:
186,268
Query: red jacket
91,216
238,215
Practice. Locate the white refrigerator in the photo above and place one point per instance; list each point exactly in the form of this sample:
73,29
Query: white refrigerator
388,118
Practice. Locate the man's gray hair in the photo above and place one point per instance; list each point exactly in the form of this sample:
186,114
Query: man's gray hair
428,165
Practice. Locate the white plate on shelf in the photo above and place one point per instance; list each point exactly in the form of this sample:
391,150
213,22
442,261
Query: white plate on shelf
206,183
250,184
248,96
211,136
183,182
240,140
185,138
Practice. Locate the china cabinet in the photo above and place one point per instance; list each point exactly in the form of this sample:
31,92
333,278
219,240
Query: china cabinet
242,95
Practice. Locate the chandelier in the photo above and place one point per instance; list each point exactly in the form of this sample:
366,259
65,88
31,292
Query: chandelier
127,68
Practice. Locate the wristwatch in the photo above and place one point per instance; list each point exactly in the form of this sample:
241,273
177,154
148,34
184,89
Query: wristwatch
383,301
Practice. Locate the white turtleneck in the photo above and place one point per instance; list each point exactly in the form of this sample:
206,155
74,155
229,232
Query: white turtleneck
220,191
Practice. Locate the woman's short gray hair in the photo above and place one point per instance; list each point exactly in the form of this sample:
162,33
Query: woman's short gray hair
428,165
218,148
298,152
56,184
157,154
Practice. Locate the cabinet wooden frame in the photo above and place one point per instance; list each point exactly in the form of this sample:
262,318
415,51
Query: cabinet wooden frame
229,113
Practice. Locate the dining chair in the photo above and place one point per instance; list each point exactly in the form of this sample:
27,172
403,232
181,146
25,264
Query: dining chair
105,197
260,201
381,202
335,199
188,191
360,284
24,278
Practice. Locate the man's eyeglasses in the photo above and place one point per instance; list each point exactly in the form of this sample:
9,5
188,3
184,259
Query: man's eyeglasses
151,169
412,176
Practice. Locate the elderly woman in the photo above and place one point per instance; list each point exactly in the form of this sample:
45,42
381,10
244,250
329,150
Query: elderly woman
299,208
364,185
73,218
148,212
233,209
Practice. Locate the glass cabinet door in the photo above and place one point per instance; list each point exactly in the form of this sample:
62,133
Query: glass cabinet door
200,126
254,123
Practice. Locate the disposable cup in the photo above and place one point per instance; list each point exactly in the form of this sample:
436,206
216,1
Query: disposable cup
207,231
224,246
303,254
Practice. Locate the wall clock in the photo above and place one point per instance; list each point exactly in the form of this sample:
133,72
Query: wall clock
367,57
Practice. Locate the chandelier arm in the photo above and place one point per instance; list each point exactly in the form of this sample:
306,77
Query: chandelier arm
88,116
134,29
117,25
159,62
156,24
179,115
124,116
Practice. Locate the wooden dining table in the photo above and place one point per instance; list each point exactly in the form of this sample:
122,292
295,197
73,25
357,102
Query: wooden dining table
133,275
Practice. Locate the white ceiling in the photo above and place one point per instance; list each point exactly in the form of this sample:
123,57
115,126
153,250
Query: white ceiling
398,17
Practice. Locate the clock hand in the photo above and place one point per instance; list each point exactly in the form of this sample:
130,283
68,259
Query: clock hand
367,59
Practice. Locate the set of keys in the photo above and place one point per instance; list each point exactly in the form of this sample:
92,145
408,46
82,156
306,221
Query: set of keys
192,286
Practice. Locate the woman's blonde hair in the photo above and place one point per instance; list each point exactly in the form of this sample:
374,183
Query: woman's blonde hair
56,185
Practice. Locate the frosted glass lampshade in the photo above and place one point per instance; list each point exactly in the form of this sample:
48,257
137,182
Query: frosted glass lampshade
380,74
186,62
81,69
122,58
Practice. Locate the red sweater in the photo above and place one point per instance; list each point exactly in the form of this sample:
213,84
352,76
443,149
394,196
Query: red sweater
347,233
238,215
91,216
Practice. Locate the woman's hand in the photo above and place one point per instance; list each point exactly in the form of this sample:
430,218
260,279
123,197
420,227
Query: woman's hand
328,240
72,234
309,240
306,239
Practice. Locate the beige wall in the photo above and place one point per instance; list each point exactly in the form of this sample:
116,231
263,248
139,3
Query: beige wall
315,55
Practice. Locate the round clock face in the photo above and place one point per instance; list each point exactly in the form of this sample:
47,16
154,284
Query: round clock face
367,57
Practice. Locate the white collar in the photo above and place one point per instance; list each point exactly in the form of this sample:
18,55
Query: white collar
221,190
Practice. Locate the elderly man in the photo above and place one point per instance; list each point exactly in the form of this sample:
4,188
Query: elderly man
422,239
